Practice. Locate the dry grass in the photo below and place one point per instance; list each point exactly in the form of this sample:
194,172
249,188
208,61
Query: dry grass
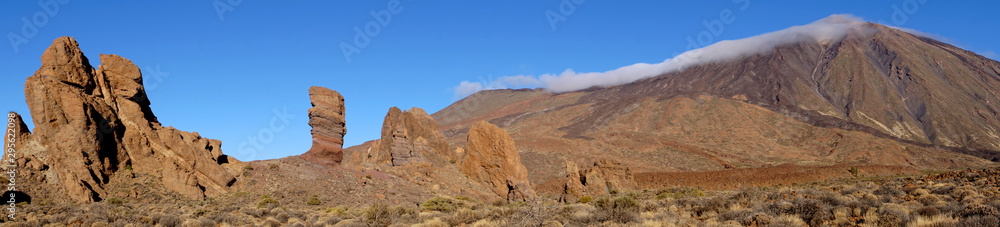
968,198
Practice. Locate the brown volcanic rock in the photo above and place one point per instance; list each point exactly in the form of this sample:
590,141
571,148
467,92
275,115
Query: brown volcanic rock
15,129
410,137
607,175
573,188
93,123
604,177
492,159
326,118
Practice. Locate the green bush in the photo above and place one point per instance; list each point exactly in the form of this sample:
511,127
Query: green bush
266,200
314,200
438,204
854,171
115,201
586,199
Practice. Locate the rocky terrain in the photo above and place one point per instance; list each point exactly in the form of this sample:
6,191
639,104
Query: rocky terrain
958,198
850,132
90,124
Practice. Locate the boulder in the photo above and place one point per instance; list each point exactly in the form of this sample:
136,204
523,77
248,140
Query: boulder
92,123
326,117
602,178
410,137
491,158
607,175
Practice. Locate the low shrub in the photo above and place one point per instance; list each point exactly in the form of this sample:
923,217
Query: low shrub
893,215
115,201
379,215
621,209
314,200
267,201
980,221
438,204
167,220
462,217
338,210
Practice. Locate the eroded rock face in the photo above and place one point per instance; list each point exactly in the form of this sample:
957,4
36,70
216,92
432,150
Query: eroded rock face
573,188
410,137
326,117
606,175
491,158
17,132
16,129
92,123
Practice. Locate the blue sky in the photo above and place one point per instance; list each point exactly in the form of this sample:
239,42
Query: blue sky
226,76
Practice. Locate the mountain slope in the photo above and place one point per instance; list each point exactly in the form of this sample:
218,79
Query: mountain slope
909,87
879,96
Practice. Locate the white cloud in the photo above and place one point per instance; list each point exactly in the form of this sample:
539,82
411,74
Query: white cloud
829,29
466,88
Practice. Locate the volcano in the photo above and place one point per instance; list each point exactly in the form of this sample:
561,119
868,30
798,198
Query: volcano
876,96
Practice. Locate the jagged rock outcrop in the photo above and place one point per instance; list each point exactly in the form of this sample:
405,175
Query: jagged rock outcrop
93,123
607,175
604,177
573,187
410,137
491,158
326,117
16,129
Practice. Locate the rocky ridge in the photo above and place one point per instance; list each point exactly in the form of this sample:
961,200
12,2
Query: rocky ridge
93,123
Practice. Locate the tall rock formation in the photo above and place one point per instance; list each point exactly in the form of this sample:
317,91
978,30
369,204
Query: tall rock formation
573,188
326,117
491,158
410,137
92,123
